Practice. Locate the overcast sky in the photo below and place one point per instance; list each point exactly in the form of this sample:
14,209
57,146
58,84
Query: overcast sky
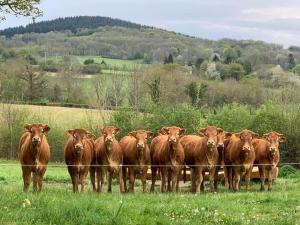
276,21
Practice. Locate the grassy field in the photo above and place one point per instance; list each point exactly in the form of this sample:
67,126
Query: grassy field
61,116
58,205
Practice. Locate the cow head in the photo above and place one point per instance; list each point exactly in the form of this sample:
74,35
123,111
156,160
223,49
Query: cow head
37,132
141,137
109,134
212,133
173,133
222,137
274,139
79,136
246,137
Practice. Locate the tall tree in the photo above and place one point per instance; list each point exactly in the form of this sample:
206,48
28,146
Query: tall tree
155,90
35,82
27,8
291,61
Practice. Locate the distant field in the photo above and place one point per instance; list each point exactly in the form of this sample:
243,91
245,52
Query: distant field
58,205
113,62
62,116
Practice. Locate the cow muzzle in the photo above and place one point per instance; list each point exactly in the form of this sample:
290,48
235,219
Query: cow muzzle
210,143
172,140
109,140
140,146
36,140
78,148
220,146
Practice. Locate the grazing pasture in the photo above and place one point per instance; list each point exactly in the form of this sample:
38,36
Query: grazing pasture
56,204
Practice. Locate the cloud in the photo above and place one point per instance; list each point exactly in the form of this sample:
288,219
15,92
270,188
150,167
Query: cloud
272,13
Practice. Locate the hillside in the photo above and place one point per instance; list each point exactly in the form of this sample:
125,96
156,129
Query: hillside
68,23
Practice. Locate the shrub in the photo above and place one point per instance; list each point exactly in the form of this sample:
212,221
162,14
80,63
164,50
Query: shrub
89,61
155,117
232,117
91,69
288,171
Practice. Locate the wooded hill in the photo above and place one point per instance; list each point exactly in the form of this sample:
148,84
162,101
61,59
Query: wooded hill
68,23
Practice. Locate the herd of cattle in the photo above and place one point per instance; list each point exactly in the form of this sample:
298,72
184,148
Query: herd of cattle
169,153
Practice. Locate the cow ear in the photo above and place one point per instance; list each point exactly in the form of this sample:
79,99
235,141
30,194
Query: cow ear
282,138
254,135
132,133
71,132
162,131
28,127
238,134
220,130
117,130
165,130
201,131
90,135
182,130
265,135
149,134
228,135
46,128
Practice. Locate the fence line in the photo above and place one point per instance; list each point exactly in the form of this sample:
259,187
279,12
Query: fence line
148,165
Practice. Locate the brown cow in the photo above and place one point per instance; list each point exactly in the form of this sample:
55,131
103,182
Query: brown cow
167,155
201,154
222,138
79,153
239,158
267,156
109,157
34,155
136,155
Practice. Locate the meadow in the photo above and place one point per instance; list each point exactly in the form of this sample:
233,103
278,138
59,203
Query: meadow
56,204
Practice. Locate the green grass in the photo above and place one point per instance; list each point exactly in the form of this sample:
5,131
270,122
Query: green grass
58,205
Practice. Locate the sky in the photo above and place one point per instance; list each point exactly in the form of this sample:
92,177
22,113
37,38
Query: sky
275,21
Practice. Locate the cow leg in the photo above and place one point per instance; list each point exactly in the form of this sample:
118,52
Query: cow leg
76,181
110,177
98,174
226,176
144,179
102,173
163,172
198,178
270,178
192,175
26,173
174,178
248,178
124,171
212,178
202,183
121,180
169,177
216,178
237,179
92,177
153,176
34,181
83,180
39,177
262,177
131,179
230,171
